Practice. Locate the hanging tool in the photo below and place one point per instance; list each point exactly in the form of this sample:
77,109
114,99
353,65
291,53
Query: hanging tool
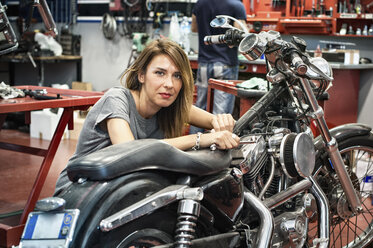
295,7
322,7
302,8
313,12
358,7
351,7
252,6
345,10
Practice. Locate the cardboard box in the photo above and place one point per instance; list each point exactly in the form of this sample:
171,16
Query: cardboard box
81,86
44,123
352,57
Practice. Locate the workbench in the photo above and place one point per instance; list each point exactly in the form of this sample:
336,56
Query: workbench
70,100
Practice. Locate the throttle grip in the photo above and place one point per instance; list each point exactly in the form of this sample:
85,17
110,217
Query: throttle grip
215,39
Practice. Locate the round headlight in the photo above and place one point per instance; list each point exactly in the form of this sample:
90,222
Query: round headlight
322,65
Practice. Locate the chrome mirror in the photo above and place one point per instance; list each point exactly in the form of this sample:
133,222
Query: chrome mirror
222,21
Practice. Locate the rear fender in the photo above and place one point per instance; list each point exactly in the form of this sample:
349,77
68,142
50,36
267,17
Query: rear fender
97,200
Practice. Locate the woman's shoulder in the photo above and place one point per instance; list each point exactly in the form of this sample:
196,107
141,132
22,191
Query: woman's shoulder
118,91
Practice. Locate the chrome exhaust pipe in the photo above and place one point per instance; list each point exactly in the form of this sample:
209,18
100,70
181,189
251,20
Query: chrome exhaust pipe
265,231
323,206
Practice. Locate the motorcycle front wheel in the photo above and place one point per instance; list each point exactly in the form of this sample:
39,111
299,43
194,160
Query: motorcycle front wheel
348,229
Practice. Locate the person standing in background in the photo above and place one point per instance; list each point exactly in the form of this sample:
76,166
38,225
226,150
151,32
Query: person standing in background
215,61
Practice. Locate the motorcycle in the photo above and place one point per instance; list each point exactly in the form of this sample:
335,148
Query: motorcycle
281,187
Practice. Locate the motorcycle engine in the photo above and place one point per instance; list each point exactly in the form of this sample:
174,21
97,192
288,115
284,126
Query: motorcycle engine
291,227
290,230
251,158
286,149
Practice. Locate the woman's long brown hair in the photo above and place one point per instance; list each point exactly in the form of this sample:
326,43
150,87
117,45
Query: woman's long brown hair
171,119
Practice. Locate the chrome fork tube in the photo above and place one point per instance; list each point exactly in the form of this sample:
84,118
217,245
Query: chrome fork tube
265,231
332,149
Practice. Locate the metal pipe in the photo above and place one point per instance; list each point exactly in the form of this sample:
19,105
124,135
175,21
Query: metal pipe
285,195
270,178
265,230
323,207
332,149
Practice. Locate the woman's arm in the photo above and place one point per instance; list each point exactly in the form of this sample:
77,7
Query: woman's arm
201,118
222,139
119,130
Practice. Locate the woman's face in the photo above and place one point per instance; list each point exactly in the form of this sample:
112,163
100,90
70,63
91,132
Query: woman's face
161,82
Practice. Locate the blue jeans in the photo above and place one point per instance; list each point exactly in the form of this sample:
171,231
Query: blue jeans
223,102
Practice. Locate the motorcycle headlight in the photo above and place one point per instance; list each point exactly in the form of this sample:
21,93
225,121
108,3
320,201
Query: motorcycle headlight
318,67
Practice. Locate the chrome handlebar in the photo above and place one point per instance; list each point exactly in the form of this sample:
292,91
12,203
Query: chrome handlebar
293,54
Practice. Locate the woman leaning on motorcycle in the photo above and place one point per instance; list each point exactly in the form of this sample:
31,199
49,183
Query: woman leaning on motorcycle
160,84
156,102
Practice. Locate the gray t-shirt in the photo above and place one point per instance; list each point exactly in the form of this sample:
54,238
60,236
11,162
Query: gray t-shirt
117,102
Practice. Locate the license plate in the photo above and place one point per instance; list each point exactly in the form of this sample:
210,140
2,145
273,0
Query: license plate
49,229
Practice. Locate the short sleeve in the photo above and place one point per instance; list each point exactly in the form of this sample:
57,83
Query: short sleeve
113,107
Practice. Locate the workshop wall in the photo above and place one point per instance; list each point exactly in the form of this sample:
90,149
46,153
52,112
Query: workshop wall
366,98
105,60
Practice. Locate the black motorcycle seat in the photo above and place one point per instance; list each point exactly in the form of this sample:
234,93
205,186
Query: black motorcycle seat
128,157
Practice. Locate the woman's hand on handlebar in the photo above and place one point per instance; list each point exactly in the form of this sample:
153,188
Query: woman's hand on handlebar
222,139
221,122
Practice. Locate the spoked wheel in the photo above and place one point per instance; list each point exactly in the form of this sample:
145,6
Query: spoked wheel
145,238
348,229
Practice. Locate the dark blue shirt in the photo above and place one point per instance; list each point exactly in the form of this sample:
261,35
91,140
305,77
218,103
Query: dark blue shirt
205,11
